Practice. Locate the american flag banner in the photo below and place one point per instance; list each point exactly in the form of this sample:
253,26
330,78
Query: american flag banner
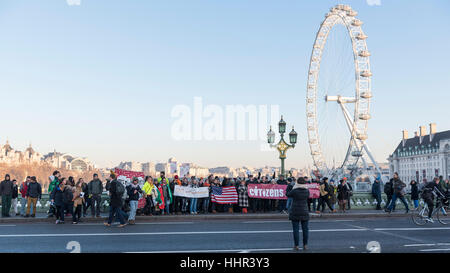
224,195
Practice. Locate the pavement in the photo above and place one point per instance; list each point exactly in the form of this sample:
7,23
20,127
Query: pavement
371,234
357,213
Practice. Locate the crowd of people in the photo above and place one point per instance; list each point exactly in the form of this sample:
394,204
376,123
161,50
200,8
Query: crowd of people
155,196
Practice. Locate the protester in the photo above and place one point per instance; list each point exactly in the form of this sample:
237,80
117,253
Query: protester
14,197
343,194
243,196
376,192
55,179
290,186
95,189
6,188
149,190
282,203
299,212
23,195
193,204
78,201
133,191
350,193
34,192
333,191
57,197
399,192
68,195
116,202
206,200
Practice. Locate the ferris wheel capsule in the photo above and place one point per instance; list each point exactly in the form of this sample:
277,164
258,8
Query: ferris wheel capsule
366,73
364,53
366,95
357,23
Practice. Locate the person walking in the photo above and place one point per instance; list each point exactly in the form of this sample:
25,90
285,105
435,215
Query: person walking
34,193
414,193
95,189
299,212
133,191
324,198
243,196
54,179
6,189
23,195
78,201
116,193
389,191
15,197
376,192
399,192
350,193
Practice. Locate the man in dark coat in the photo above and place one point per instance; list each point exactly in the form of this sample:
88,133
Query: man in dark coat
6,189
398,193
389,191
95,189
414,194
299,212
115,206
376,192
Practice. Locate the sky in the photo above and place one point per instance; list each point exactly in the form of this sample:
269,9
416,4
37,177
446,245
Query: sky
101,79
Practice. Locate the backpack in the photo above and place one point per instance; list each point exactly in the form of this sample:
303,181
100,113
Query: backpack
120,188
388,188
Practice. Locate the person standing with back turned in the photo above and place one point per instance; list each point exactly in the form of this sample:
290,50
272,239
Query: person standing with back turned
299,212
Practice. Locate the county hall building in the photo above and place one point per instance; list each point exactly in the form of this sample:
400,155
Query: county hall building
423,156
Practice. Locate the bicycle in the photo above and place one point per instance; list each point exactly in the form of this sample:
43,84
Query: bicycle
442,212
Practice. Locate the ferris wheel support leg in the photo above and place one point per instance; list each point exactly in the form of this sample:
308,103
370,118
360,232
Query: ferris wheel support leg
366,148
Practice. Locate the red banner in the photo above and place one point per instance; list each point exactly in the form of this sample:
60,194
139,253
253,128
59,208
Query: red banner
128,174
314,191
267,191
274,191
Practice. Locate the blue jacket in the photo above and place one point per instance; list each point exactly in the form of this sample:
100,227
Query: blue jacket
376,189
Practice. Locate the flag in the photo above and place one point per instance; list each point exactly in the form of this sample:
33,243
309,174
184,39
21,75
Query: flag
224,195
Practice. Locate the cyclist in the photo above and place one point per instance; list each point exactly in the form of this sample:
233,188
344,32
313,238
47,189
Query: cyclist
431,190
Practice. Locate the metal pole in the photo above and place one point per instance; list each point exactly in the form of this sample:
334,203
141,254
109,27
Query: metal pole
282,167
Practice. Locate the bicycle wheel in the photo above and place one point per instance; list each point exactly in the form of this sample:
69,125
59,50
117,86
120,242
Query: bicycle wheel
443,215
420,215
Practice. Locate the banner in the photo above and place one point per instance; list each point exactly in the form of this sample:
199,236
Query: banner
314,191
190,192
267,191
128,175
184,171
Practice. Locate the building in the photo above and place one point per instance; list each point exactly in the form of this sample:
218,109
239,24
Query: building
67,161
423,156
11,156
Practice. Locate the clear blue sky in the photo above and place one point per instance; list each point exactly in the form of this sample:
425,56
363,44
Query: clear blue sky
100,79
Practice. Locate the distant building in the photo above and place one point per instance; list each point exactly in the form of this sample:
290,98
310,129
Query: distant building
67,161
11,156
422,157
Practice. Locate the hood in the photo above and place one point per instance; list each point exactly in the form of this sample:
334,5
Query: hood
301,186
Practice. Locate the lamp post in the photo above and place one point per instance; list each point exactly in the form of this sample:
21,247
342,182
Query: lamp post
282,146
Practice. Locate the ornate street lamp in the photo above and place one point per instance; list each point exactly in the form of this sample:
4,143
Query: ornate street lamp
282,146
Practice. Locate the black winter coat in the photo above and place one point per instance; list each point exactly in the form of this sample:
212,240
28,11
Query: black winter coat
414,192
299,208
115,199
131,195
57,196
